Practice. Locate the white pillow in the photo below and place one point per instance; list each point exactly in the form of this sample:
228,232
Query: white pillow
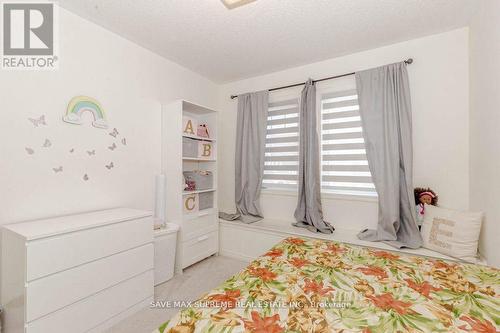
452,232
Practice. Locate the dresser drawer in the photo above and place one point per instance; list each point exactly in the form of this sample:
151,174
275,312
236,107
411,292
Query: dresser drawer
198,226
53,292
54,254
199,248
95,310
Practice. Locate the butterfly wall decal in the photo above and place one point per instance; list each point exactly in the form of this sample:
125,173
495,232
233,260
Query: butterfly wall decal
38,121
91,152
72,150
47,143
56,170
110,166
29,150
86,177
114,133
112,147
124,141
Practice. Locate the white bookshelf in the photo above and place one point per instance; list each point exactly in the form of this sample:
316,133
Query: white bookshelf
199,232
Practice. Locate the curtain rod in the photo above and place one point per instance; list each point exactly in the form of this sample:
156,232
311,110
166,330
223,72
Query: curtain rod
407,61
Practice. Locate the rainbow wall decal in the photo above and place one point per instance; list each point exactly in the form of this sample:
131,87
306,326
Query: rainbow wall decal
80,104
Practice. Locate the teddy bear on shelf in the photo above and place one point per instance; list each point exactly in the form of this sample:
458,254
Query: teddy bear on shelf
423,196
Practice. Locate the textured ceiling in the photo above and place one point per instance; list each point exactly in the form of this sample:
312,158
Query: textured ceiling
268,35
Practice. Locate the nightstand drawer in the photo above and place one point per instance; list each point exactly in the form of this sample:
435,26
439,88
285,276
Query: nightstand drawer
198,226
199,248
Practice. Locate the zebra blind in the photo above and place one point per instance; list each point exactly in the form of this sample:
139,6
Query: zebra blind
344,163
282,145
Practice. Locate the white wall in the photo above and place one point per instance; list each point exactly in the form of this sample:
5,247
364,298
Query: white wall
439,80
130,82
485,124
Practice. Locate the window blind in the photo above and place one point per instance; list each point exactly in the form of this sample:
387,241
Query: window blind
344,162
282,145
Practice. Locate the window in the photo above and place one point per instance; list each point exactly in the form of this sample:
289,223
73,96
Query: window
344,164
282,145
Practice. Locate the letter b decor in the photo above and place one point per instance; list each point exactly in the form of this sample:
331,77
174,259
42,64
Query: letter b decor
205,150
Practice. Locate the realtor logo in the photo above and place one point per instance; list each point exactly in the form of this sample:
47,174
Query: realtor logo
29,36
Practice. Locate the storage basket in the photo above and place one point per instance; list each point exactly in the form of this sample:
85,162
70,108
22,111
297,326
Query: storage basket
165,241
190,148
203,180
205,200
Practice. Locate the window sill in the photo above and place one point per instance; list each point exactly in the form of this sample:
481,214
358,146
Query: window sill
324,195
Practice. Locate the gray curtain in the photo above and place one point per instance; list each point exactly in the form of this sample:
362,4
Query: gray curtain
385,107
250,145
309,213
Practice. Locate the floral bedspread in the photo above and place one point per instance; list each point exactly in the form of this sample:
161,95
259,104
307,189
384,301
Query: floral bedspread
304,285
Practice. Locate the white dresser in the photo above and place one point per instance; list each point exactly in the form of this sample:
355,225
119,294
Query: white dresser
78,273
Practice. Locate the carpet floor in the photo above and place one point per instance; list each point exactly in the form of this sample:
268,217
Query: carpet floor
194,282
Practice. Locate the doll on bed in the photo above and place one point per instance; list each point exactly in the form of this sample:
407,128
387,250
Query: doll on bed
423,196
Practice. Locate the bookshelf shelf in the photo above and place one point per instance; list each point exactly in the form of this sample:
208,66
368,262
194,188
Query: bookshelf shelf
195,159
198,138
198,191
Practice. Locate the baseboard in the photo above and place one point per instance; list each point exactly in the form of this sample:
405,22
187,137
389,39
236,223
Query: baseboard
235,255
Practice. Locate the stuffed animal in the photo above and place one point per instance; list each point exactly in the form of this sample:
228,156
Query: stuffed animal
190,185
202,131
423,196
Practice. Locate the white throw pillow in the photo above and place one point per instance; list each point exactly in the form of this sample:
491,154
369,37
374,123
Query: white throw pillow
452,232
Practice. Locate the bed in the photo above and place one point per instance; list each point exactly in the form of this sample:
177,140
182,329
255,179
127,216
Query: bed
311,285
